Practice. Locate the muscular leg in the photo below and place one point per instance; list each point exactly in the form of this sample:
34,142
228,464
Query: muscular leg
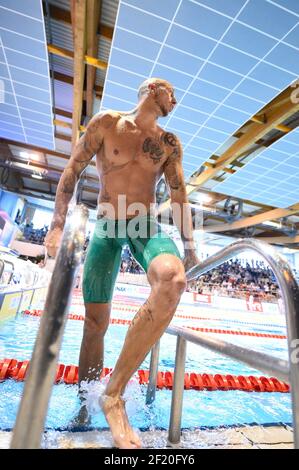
166,276
100,271
92,349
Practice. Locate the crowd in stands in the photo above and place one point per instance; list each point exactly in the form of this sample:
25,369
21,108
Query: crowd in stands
128,263
232,279
130,266
34,235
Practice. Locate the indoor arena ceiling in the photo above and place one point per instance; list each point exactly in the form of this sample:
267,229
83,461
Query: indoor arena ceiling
233,63
271,178
224,60
26,113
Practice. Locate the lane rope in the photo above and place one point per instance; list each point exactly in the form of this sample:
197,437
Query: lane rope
134,307
68,374
121,321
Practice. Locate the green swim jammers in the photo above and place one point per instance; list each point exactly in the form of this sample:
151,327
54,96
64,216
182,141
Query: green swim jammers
146,240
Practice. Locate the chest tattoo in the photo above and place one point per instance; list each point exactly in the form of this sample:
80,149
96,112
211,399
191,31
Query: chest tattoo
153,149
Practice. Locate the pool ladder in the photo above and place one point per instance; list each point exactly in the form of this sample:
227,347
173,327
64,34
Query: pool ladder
33,408
32,412
286,371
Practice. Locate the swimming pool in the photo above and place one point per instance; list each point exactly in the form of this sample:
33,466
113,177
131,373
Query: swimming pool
200,408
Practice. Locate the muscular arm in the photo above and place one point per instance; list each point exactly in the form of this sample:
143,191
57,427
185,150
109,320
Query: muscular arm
82,154
174,176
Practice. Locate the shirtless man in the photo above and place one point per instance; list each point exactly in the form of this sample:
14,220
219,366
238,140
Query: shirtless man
132,153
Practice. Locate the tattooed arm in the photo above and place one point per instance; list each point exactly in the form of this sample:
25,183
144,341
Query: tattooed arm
181,211
82,154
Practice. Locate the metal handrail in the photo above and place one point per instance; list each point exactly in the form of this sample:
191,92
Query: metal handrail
288,372
1,267
264,362
41,374
152,382
12,270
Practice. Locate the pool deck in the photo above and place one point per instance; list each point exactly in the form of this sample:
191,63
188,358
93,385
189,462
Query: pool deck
245,437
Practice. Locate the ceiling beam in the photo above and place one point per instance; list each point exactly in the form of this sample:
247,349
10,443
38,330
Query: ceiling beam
48,178
6,154
63,112
48,167
254,220
66,137
61,77
54,181
284,240
218,197
106,31
42,150
255,132
60,51
276,112
67,125
79,28
39,194
30,170
93,15
35,148
279,127
39,165
59,14
29,191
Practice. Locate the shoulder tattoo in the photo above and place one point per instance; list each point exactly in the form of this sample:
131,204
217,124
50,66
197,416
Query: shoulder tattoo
172,141
153,149
173,177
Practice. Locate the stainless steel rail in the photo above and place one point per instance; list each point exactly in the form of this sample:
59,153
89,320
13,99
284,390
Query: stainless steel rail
1,267
41,374
152,381
12,270
286,371
174,433
264,362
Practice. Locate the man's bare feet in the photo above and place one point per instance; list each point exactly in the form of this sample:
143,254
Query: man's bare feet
82,418
123,435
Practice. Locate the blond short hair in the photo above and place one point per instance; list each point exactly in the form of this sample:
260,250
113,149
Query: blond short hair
144,85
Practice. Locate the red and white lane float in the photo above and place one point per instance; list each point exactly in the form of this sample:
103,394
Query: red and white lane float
68,374
121,321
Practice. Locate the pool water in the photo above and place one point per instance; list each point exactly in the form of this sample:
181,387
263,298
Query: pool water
200,408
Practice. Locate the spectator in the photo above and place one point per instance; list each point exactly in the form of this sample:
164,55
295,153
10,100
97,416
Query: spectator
240,280
33,235
129,264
